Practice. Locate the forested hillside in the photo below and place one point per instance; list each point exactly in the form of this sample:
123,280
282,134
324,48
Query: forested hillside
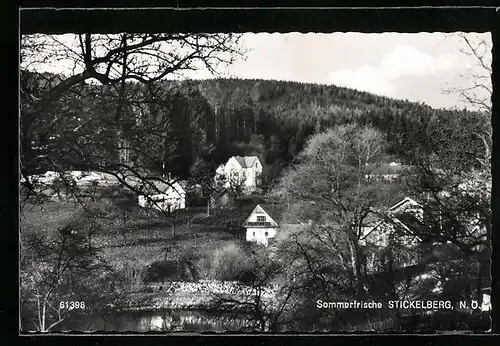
168,125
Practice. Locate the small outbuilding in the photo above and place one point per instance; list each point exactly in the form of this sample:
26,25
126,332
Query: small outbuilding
162,195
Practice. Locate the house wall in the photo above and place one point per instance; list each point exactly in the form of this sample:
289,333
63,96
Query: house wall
231,167
248,174
380,237
258,235
220,170
252,173
250,177
163,201
254,215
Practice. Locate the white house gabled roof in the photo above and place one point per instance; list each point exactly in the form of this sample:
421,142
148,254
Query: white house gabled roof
277,214
404,202
157,186
400,206
246,161
273,214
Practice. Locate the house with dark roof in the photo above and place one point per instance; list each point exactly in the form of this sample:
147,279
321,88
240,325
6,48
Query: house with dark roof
244,171
266,221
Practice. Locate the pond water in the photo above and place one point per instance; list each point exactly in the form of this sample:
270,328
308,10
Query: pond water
203,321
166,320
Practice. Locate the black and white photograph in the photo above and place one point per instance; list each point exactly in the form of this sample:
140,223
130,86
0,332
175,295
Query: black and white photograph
255,182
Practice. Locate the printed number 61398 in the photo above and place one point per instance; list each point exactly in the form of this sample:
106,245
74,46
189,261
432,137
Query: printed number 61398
70,305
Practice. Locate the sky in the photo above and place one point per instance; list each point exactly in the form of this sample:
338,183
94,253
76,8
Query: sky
417,67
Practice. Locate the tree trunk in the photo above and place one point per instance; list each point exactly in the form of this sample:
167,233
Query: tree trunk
26,149
44,311
122,142
393,293
356,267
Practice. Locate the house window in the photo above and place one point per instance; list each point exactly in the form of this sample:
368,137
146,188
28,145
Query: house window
266,233
261,219
254,234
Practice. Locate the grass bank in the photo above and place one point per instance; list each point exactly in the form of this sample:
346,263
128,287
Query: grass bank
143,246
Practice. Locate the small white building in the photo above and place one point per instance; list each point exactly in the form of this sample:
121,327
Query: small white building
377,231
160,195
240,170
264,223
386,171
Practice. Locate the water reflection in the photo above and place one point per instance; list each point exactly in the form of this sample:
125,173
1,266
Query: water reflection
166,320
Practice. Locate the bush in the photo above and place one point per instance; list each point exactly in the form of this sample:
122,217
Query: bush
182,269
160,271
195,201
133,276
227,264
187,263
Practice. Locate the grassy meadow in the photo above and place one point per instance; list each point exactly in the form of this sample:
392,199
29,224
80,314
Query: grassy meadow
144,246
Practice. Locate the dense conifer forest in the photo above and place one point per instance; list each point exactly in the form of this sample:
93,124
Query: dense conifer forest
177,122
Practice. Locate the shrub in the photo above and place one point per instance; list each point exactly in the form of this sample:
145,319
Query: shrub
182,269
187,265
133,276
161,271
229,263
247,276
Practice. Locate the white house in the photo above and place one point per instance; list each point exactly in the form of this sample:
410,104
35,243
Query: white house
265,222
48,177
162,196
241,170
377,231
386,171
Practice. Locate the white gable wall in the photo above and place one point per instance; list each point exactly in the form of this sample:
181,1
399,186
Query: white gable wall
232,169
174,196
162,202
220,169
260,235
232,165
258,211
379,236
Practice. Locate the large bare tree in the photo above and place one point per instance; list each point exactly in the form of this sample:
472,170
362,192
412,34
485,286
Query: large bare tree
330,188
112,61
59,126
476,88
